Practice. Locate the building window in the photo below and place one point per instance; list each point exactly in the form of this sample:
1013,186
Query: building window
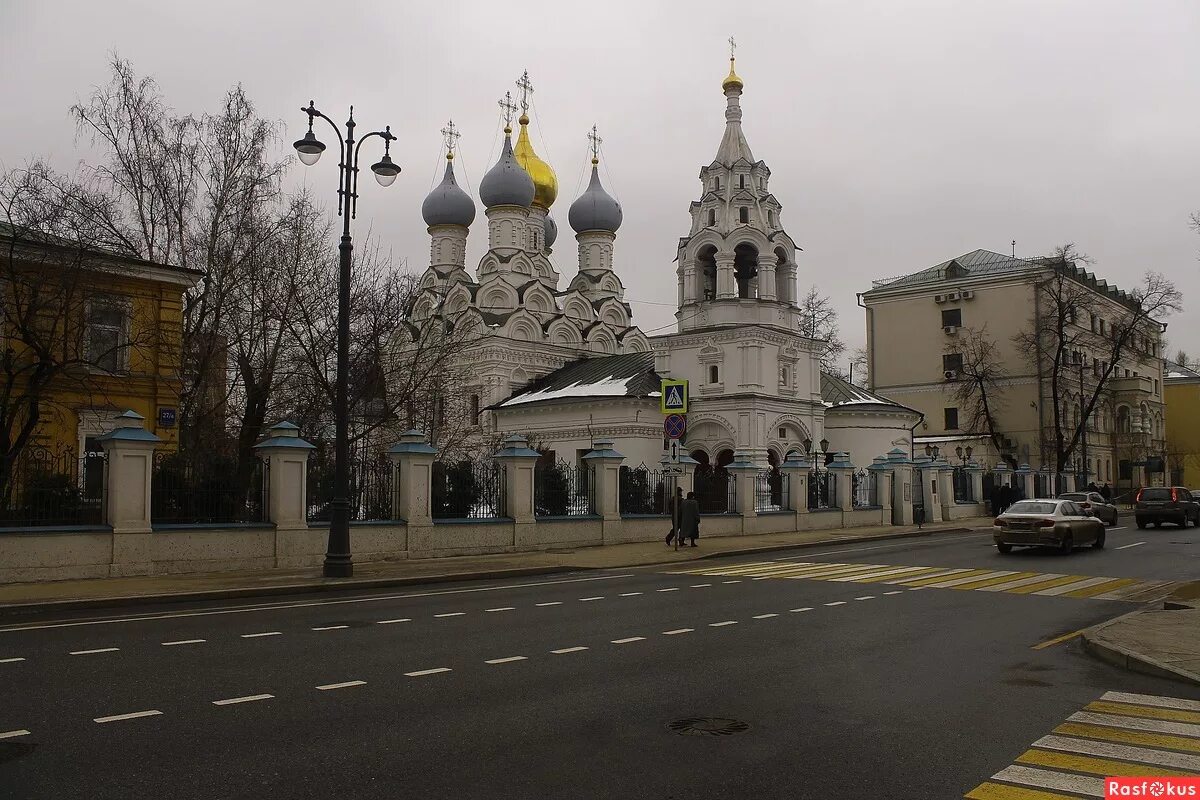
717,184
952,362
106,334
951,415
771,218
1156,385
1071,314
474,409
952,316
712,217
741,181
1093,318
713,374
743,215
1103,327
783,433
784,376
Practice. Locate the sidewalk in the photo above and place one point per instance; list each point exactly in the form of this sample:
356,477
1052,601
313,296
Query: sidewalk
1163,642
99,592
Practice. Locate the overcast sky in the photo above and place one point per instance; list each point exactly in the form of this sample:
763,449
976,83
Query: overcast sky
899,134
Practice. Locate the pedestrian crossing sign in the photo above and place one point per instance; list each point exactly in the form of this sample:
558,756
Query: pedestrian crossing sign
674,398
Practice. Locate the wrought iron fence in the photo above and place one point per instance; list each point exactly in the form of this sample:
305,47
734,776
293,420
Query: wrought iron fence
189,489
770,490
1043,486
964,488
467,490
562,490
822,489
372,483
642,491
865,488
714,491
46,487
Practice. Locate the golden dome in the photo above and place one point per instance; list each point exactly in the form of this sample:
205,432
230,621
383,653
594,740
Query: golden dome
731,79
545,182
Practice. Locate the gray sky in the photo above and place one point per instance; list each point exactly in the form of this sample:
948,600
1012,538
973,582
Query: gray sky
899,134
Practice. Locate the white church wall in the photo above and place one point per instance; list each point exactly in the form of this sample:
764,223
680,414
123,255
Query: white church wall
865,436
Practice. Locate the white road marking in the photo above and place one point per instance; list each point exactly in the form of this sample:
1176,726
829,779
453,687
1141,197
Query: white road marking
730,581
1135,724
866,597
1153,700
507,660
564,650
554,603
630,594
765,616
671,589
837,603
250,698
422,672
630,639
590,599
1001,587
761,578
1119,751
98,650
307,604
1127,546
13,734
722,624
897,591
342,685
897,571
1045,779
184,641
798,610
677,631
11,660
1054,591
392,621
257,635
134,715
331,627
501,608
986,576
916,588
901,543
450,614
700,585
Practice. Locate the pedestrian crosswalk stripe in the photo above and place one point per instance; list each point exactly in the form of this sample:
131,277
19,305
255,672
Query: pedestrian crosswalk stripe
1048,779
1120,752
1129,710
998,791
1094,765
1137,724
1152,700
1130,737
1043,584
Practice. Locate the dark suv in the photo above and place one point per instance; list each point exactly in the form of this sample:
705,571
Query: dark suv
1159,504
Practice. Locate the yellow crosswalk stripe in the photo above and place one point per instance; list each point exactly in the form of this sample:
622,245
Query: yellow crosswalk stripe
999,791
1142,738
740,569
846,572
1016,576
1035,587
966,573
1094,765
801,572
1148,712
911,572
1092,591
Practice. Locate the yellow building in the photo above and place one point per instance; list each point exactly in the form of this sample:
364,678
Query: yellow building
1182,394
88,334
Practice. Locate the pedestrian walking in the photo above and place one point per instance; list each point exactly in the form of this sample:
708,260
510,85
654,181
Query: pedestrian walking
689,519
1106,492
675,509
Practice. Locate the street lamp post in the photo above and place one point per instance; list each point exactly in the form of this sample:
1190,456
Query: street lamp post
338,562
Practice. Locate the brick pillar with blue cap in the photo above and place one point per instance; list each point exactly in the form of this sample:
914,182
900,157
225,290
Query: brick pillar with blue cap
605,463
129,449
286,456
744,472
518,461
412,478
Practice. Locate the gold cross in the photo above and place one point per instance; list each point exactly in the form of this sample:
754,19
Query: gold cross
595,142
450,137
732,47
526,87
508,108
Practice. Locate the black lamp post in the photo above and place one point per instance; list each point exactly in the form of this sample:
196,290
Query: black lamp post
338,563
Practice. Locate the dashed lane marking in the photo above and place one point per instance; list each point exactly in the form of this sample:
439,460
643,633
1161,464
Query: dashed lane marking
552,603
259,635
250,698
798,610
13,734
1127,546
342,685
93,652
11,660
668,589
565,650
331,627
630,594
590,599
184,641
394,621
730,581
837,603
501,608
450,614
722,624
677,631
866,597
506,660
629,639
897,591
423,672
121,717
765,616
701,585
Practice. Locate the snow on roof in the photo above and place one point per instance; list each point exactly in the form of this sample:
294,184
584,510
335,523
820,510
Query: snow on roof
627,375
606,387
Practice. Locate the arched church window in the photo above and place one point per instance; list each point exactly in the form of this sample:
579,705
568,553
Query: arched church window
717,184
745,265
706,262
771,218
783,376
713,374
743,215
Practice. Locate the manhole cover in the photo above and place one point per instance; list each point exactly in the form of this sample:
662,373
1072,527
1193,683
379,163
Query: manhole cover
708,726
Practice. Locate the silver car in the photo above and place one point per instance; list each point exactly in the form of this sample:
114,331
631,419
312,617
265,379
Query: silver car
1093,501
1061,524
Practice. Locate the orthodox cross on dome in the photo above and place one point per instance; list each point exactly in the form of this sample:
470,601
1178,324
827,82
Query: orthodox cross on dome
508,108
594,143
526,87
450,137
732,47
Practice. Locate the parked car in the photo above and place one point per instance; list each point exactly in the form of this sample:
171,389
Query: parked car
1094,502
1158,504
1046,523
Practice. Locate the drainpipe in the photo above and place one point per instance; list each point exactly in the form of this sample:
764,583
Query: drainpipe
870,384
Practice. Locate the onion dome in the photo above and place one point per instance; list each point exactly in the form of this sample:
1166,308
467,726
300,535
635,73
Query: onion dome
595,209
506,184
545,182
447,204
551,231
731,80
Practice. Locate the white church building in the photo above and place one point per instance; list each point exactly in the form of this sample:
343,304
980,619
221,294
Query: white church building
567,366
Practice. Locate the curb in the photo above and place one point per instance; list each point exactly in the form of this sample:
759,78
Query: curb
354,584
1132,660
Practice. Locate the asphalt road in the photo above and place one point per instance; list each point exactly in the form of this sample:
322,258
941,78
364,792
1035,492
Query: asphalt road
566,685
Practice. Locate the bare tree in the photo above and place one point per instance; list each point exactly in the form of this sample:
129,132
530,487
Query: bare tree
819,320
979,392
860,367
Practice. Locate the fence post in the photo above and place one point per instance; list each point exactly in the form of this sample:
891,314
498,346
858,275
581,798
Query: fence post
976,473
843,475
926,474
744,472
796,468
605,463
412,478
130,451
902,486
518,461
883,487
688,480
945,478
286,455
1068,482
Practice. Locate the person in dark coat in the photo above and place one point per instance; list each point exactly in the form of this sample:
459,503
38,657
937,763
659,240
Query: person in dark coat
689,519
1106,492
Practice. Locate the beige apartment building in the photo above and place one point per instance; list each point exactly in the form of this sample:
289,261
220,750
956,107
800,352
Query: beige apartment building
921,327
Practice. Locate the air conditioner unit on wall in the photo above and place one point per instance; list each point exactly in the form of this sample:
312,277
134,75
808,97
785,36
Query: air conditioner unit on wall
951,375
950,330
939,298
952,297
968,294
